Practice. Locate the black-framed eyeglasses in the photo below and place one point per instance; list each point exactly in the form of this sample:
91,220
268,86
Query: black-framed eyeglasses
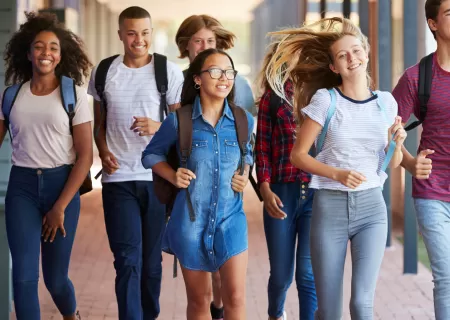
216,73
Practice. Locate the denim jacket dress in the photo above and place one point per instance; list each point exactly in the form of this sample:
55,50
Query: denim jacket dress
220,229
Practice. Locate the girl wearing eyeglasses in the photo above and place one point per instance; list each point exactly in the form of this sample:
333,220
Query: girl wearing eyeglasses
216,240
196,34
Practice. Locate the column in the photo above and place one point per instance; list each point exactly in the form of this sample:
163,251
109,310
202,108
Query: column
346,8
323,8
8,24
91,29
385,81
410,46
363,9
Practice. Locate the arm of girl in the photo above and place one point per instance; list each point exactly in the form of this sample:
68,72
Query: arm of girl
300,158
155,154
54,219
399,137
3,131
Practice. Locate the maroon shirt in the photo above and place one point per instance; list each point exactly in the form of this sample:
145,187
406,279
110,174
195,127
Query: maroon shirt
274,143
436,128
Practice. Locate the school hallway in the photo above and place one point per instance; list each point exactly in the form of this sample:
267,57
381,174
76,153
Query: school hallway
398,296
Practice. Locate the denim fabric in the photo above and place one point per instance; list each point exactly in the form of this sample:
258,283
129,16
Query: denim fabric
340,216
220,229
433,217
135,222
288,245
30,195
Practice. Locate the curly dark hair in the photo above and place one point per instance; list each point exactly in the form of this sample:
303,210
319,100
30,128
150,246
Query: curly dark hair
189,92
74,61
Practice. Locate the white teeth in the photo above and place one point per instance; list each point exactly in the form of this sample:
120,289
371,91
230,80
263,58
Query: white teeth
222,87
354,66
139,47
45,62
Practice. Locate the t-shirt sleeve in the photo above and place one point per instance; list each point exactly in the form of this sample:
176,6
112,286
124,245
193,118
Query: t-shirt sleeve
91,87
175,83
317,109
405,93
82,111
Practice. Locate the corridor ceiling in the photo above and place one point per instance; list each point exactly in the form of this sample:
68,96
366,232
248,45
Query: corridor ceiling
179,9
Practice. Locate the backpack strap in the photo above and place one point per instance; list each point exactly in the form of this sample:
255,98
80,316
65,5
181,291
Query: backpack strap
68,98
100,77
330,114
9,97
392,144
161,83
184,116
425,81
241,124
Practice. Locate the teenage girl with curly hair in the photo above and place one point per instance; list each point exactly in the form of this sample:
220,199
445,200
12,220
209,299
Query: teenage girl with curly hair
50,160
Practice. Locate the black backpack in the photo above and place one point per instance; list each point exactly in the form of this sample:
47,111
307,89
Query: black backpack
160,63
425,81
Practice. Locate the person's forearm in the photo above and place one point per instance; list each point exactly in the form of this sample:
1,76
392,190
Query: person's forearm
397,158
100,139
165,171
75,180
408,160
309,164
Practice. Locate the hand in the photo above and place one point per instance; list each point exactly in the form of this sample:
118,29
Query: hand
350,178
53,220
398,131
145,126
238,182
109,162
272,203
183,178
422,165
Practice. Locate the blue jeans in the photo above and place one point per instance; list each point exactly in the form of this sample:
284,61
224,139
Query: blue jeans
135,222
433,217
281,237
339,217
30,195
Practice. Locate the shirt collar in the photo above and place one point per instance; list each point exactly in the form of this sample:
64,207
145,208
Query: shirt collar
197,109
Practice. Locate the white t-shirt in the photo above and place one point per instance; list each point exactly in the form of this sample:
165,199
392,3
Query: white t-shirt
40,128
356,138
132,92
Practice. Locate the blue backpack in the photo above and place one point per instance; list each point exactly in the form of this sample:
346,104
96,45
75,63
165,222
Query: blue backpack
332,110
69,100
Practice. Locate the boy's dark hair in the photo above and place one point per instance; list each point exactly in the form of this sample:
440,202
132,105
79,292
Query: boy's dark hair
133,13
74,62
189,92
432,11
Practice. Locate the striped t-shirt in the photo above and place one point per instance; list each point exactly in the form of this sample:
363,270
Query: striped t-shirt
436,128
132,92
356,138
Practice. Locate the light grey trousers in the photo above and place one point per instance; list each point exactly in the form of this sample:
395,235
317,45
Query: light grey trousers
338,217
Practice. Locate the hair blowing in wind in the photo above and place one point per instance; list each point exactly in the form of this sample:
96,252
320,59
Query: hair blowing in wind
303,55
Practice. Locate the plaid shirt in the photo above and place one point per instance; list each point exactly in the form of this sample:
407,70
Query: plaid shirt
274,143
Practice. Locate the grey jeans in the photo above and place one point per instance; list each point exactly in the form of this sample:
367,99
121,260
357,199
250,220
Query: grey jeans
338,217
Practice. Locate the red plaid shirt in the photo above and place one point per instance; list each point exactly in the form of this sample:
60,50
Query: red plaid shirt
274,143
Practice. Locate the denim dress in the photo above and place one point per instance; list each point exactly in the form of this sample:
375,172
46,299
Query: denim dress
219,231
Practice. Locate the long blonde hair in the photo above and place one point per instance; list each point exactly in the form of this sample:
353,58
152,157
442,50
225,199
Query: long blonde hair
303,56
